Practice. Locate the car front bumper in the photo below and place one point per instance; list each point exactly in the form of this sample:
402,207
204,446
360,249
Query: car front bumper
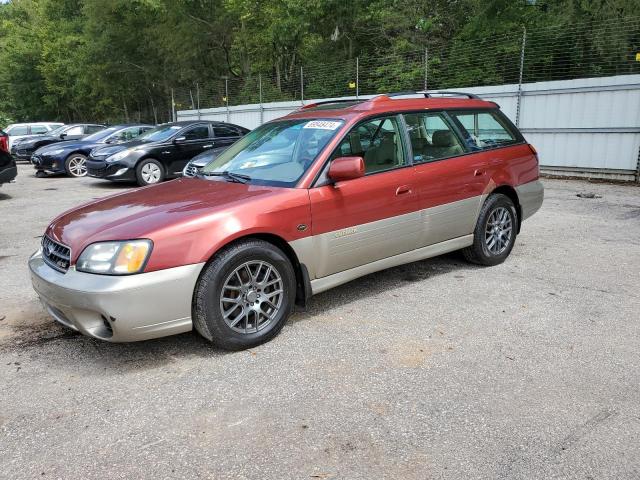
21,153
8,174
47,163
110,171
118,308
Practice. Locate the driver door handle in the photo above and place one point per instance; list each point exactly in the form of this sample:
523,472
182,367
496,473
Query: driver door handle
403,189
209,145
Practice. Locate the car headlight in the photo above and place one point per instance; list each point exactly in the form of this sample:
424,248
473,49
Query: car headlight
115,258
55,152
119,156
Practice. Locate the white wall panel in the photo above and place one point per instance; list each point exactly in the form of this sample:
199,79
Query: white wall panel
588,123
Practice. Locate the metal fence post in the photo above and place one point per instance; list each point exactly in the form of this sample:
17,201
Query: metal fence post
260,98
198,99
426,67
173,107
519,100
357,77
301,86
226,96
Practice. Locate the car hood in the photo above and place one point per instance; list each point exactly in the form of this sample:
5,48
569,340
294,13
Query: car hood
107,151
31,139
68,145
186,204
204,158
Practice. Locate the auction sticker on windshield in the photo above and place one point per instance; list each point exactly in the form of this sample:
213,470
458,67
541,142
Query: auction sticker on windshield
323,124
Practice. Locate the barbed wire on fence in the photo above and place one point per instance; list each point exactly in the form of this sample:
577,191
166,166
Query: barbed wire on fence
589,49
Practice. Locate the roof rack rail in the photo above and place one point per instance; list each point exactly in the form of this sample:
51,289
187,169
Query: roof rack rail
325,102
428,94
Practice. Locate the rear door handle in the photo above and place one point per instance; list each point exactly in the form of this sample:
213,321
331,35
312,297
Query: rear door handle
209,145
478,173
403,189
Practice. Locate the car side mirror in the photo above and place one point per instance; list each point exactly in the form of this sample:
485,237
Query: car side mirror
180,140
63,136
346,168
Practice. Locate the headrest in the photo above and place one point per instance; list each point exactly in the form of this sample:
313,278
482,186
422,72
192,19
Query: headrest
443,138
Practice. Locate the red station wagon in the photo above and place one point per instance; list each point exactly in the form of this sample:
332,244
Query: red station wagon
327,194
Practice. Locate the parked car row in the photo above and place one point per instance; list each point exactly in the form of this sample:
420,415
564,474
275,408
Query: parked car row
133,152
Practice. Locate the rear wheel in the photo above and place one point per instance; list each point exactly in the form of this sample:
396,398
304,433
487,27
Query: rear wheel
244,296
76,165
149,171
495,232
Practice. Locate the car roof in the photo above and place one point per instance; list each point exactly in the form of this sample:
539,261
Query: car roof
34,123
128,125
390,103
185,123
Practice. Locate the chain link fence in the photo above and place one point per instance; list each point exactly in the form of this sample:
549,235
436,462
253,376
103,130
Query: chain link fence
523,56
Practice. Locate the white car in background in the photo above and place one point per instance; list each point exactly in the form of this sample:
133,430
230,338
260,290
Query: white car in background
19,130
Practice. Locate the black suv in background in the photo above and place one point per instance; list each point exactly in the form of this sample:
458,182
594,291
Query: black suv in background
162,152
23,148
8,169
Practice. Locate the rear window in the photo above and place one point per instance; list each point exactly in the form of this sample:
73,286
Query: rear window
19,130
484,130
36,129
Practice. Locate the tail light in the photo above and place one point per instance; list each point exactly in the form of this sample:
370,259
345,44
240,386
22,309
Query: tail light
4,143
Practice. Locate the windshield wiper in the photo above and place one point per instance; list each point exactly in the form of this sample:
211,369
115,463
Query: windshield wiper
234,177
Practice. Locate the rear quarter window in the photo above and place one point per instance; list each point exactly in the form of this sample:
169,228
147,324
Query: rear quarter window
486,129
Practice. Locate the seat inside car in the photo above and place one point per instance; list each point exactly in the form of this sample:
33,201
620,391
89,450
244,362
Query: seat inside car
385,155
443,144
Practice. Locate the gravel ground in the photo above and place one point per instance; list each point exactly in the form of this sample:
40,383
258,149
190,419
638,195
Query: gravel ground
437,369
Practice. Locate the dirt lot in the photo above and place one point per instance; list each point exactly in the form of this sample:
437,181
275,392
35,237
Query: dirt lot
436,369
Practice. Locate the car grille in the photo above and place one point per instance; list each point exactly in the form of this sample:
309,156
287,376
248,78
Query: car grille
98,172
191,171
55,254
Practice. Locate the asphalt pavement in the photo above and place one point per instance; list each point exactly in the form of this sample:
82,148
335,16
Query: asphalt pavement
437,369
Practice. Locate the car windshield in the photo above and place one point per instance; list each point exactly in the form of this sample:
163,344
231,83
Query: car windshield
277,153
163,132
58,131
102,134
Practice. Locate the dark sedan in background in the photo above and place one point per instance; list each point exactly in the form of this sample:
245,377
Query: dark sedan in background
160,153
8,169
195,165
69,157
23,148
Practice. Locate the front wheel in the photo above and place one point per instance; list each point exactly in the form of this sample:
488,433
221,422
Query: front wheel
495,232
76,165
244,296
149,172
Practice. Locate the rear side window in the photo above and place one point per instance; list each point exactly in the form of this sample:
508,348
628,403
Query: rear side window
36,129
432,138
201,132
19,130
225,131
485,130
89,129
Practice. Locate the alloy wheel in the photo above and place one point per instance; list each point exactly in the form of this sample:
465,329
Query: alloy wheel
251,296
78,166
498,231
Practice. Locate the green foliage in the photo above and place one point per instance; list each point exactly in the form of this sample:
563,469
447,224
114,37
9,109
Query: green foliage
120,60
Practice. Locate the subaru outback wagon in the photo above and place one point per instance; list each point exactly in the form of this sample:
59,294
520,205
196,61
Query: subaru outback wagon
329,193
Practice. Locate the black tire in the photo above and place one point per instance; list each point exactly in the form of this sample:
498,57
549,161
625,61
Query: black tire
208,317
142,178
480,252
75,165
